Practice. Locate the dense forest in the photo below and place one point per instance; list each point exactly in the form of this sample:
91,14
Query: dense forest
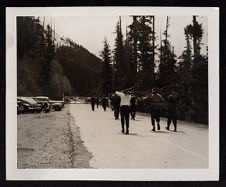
46,68
137,63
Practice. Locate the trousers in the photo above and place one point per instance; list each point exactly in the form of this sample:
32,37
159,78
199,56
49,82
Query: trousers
124,113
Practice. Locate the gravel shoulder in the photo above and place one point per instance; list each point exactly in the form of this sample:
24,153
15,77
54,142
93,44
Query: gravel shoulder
50,140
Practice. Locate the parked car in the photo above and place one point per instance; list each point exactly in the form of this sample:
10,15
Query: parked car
44,102
72,101
20,108
29,105
56,105
87,100
78,101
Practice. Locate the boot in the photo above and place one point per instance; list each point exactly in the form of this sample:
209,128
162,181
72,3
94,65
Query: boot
158,126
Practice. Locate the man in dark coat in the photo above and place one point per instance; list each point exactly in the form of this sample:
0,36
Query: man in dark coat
97,101
104,102
92,102
172,110
116,105
133,107
155,101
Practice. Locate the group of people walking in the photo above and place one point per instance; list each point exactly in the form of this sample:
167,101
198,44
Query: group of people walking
96,100
124,104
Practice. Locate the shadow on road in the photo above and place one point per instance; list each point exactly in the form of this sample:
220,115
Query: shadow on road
160,132
131,134
178,132
169,131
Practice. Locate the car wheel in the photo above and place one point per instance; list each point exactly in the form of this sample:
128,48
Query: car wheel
26,110
57,108
22,110
47,110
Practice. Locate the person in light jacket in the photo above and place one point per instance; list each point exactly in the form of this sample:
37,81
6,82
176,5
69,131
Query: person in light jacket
124,109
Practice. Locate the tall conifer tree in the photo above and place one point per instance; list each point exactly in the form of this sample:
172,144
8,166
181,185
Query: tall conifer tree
106,69
133,34
119,66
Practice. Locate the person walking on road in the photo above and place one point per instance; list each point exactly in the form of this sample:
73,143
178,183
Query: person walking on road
124,109
92,103
172,110
116,105
111,102
97,101
104,102
155,101
133,107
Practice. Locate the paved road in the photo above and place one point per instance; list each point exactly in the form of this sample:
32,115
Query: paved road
142,148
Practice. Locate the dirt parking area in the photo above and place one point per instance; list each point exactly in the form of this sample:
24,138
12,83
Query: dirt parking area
50,140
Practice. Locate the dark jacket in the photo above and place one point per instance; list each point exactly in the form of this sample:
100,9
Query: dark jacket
92,100
154,102
133,102
104,101
116,101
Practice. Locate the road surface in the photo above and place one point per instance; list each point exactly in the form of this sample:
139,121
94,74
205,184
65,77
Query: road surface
142,148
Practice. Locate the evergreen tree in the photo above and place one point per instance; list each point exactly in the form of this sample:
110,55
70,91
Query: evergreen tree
106,69
194,79
50,52
145,52
195,31
133,34
119,66
41,56
48,67
166,73
128,59
28,50
186,57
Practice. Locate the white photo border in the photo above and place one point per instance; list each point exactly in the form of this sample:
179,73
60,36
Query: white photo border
209,174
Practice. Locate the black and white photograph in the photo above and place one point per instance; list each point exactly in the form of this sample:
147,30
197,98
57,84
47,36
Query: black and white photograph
112,93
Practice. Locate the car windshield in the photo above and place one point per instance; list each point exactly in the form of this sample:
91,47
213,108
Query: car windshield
28,100
41,98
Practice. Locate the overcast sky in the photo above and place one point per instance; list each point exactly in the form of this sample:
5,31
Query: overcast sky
90,31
